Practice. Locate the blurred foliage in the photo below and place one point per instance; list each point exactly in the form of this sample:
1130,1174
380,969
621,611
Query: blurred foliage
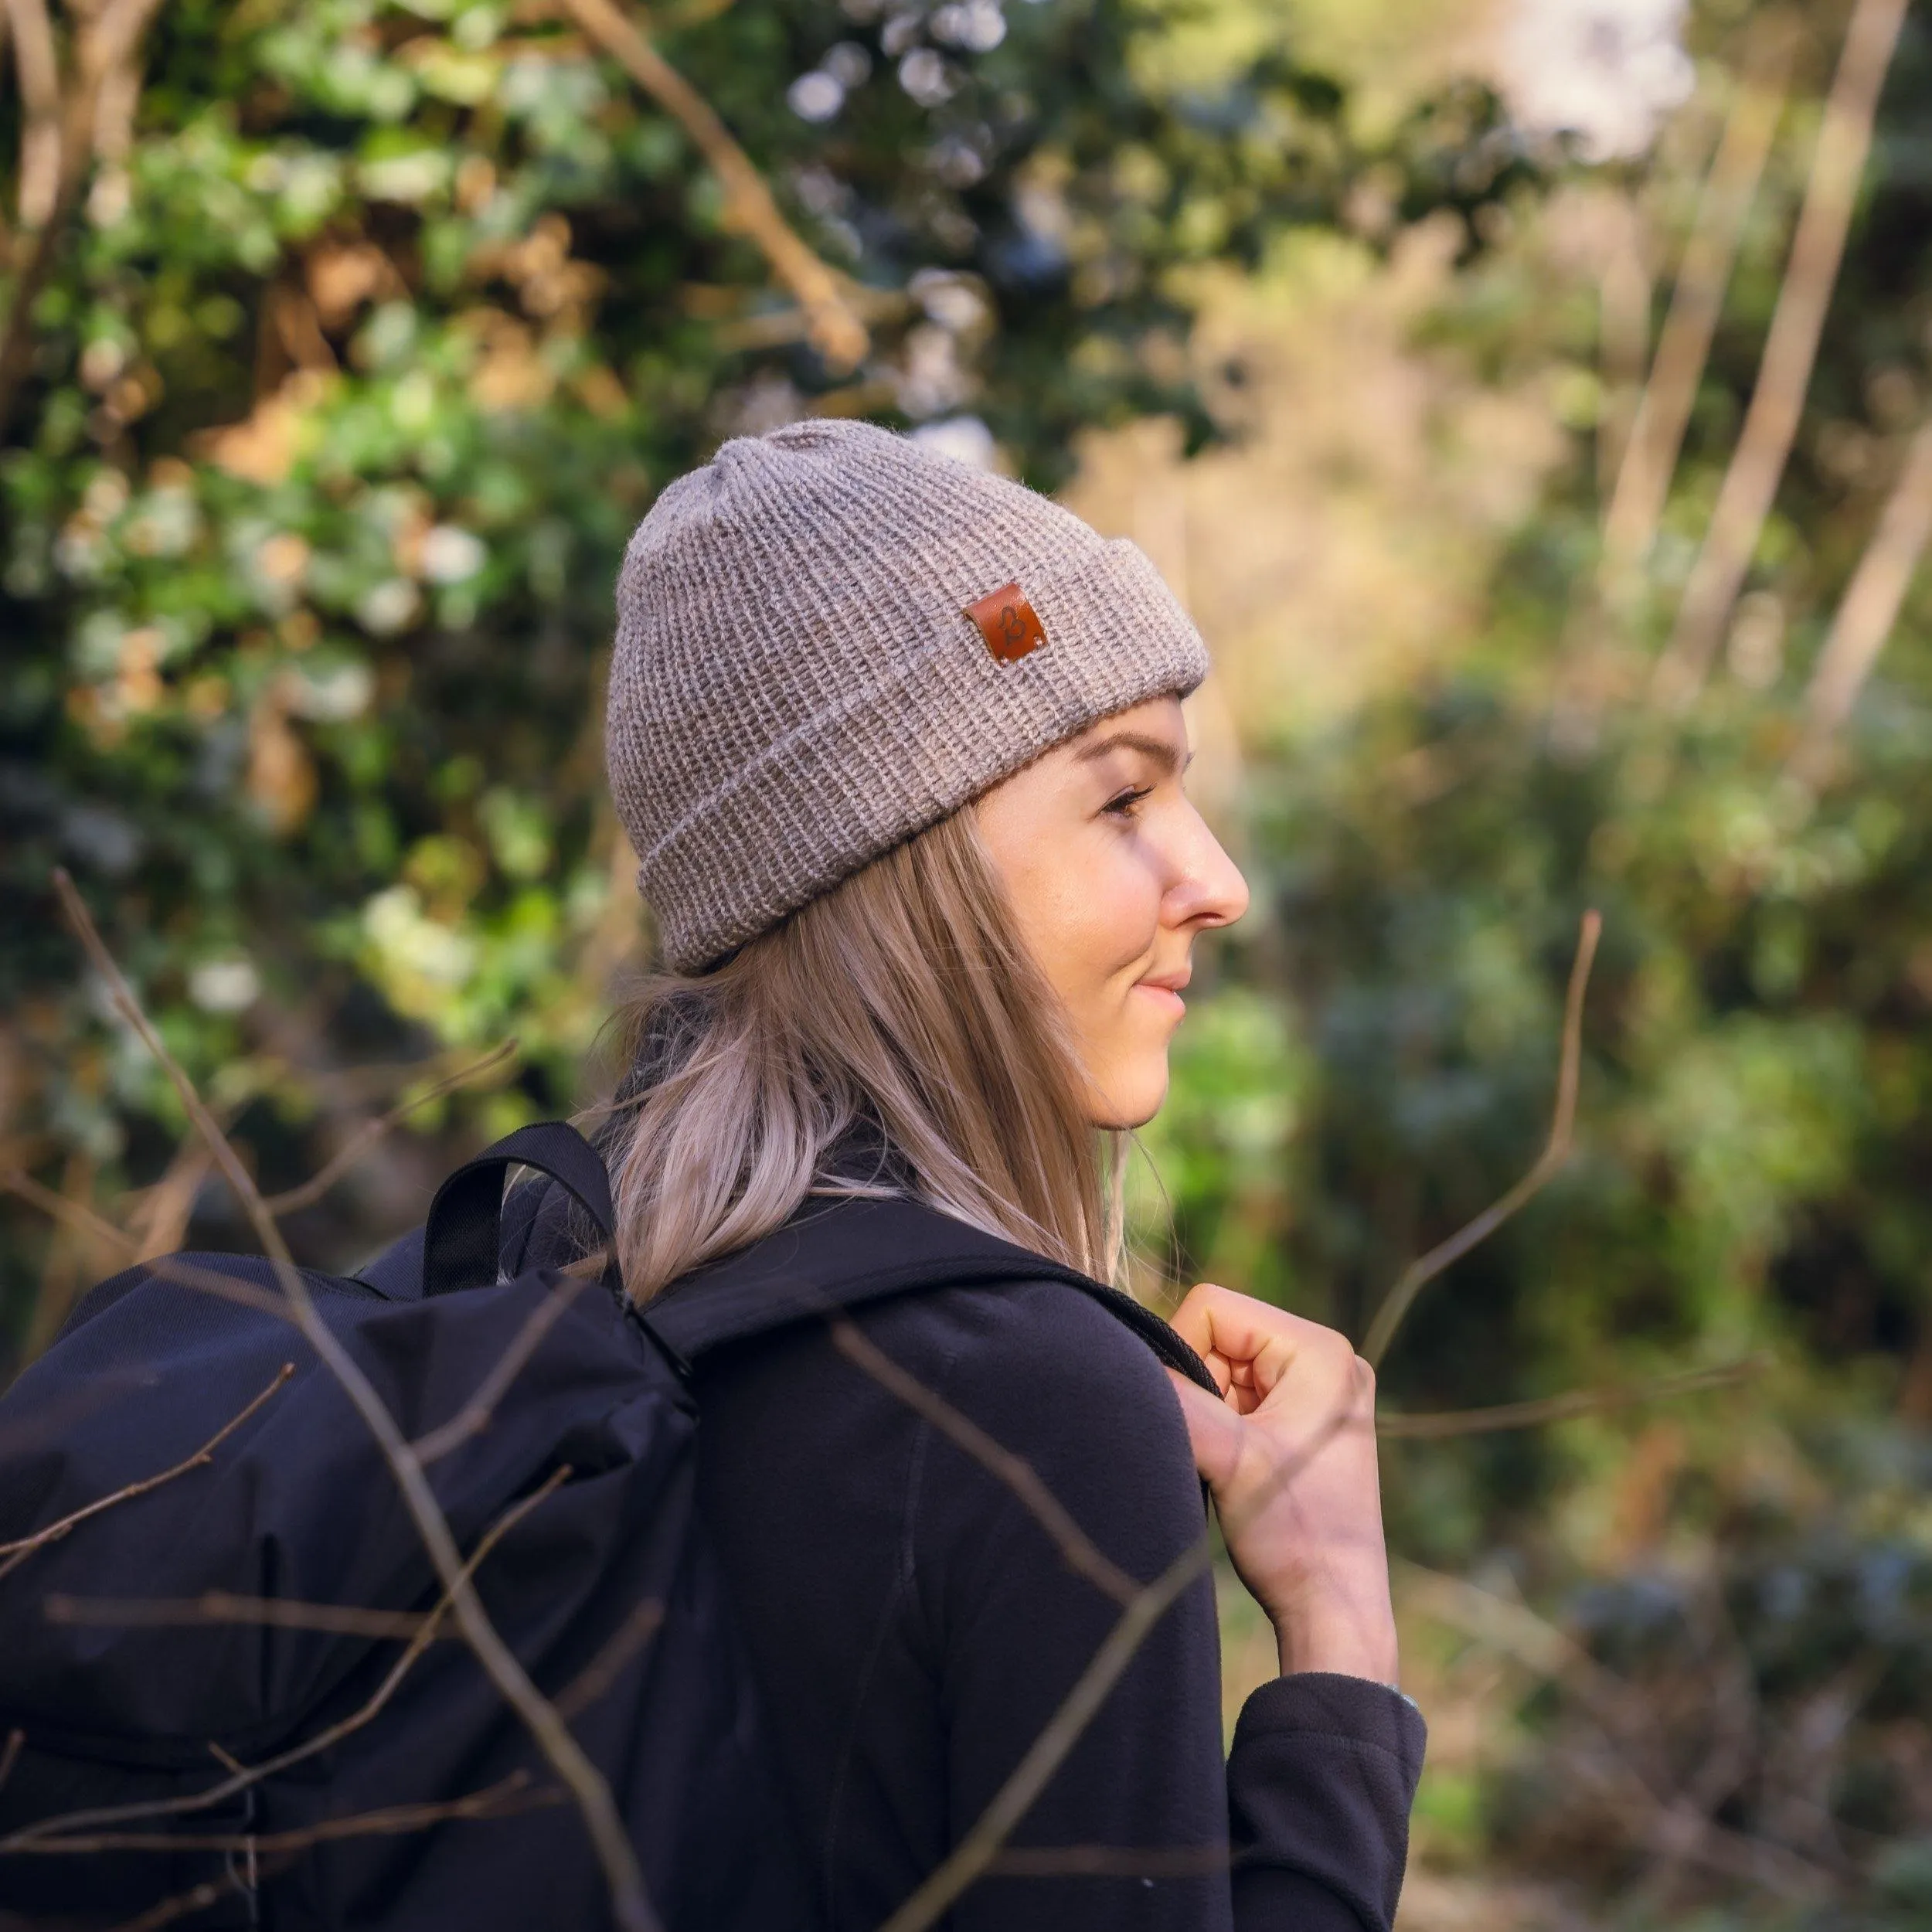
380,325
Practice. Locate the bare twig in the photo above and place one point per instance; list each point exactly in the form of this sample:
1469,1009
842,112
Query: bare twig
159,1223
507,1795
1683,344
1563,1408
105,42
989,1832
969,1859
326,1740
1110,1861
1420,1273
1623,299
1076,1547
600,1673
223,1607
82,1220
475,1414
16,1553
1869,610
10,1755
1615,1710
836,330
365,1136
197,1898
630,1904
1757,465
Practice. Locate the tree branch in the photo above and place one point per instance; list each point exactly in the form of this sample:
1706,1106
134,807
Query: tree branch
600,1673
241,1778
392,1820
476,1412
1683,344
836,332
1080,1554
630,1904
974,1853
223,1607
1433,1427
15,1553
1791,348
366,1136
105,43
1419,1273
1867,613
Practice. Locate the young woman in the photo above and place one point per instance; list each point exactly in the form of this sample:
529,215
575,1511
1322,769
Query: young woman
899,747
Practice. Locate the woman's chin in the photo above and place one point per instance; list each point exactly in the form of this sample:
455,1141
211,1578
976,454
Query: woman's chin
1132,1098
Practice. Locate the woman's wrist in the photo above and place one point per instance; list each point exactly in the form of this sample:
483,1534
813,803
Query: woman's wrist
1349,1632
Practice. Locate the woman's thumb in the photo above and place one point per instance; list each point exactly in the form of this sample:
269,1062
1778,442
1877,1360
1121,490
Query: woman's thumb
1213,1429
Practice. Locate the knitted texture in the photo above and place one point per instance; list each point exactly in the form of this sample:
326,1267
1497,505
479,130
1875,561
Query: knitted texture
796,688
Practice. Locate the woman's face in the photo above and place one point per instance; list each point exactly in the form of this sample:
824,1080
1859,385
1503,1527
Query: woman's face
1111,873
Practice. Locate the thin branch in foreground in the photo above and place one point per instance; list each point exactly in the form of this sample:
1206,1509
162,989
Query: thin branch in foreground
1419,1273
197,1898
970,1857
630,1905
1763,446
16,1553
84,1220
600,1673
10,1755
1077,1549
28,1836
159,1222
1615,1710
986,1839
475,1414
507,1795
224,1606
837,333
1110,1861
1434,1425
366,1136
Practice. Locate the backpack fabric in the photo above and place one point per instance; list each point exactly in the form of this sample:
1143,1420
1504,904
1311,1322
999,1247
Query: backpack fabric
191,1682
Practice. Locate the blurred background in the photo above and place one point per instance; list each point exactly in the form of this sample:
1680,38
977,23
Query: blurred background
1531,400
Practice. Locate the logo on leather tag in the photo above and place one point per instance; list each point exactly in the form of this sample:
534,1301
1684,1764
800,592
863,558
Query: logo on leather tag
1008,623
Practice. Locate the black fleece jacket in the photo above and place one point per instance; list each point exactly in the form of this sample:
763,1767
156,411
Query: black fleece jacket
914,1628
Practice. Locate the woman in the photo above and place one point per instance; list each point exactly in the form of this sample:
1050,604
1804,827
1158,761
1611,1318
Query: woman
899,747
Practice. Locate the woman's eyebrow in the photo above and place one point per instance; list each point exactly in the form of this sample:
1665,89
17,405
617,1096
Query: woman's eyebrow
1160,750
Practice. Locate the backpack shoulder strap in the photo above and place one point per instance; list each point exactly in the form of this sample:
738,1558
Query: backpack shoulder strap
843,1254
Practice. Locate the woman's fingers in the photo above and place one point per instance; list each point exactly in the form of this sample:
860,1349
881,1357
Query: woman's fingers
1289,1449
1252,1346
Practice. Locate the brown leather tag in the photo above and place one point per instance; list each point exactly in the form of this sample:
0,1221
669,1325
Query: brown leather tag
1008,623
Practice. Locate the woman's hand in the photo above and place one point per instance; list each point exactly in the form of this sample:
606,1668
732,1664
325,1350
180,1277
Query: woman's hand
1289,1451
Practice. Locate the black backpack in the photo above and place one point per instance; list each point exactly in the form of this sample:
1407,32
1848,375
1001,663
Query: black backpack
400,1798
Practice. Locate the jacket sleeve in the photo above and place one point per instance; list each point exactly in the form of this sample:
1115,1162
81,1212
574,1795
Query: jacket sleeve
1139,1822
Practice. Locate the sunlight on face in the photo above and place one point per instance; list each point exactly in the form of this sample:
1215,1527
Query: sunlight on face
1111,873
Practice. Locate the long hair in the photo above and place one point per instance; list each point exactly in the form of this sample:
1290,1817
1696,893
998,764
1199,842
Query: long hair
894,1034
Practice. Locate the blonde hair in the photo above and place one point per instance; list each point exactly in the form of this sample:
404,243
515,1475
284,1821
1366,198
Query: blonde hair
897,1021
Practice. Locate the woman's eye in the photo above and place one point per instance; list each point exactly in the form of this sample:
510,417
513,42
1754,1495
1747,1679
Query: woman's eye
1123,806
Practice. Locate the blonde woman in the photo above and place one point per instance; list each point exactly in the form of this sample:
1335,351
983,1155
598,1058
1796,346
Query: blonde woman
899,747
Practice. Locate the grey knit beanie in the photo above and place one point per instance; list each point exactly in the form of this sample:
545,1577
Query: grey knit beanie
798,683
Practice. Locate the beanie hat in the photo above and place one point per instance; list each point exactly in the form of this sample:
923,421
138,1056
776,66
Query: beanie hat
831,638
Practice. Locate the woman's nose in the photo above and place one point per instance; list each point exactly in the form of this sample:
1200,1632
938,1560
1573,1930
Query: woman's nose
1209,889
